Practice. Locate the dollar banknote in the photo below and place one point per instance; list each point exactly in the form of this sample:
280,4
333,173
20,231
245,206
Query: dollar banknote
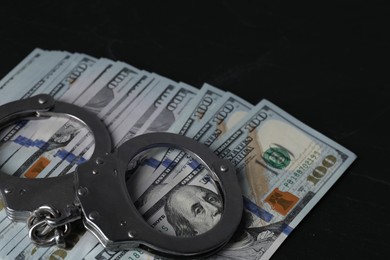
142,91
13,140
31,149
52,153
58,155
284,167
65,155
106,88
80,148
44,153
80,65
53,80
30,141
133,92
227,111
24,67
163,119
46,78
148,107
37,69
201,105
17,144
127,88
86,80
35,151
23,140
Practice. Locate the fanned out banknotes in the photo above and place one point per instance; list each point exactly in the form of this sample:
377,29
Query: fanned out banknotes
284,166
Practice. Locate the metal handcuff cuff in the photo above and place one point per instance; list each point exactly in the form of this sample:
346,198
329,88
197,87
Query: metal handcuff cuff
97,194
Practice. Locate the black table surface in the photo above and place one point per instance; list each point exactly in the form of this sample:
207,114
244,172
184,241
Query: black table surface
325,63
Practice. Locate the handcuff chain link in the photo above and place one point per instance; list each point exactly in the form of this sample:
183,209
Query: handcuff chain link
47,227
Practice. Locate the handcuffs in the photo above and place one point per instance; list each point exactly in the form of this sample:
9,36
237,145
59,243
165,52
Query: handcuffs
97,194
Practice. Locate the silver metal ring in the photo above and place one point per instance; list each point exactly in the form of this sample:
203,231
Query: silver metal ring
22,196
106,202
51,236
37,238
99,187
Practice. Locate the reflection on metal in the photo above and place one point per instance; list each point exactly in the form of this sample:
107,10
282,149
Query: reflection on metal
96,192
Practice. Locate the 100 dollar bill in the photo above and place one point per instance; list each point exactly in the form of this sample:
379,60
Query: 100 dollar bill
284,167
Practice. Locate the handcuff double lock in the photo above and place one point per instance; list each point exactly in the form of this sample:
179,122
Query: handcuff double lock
96,191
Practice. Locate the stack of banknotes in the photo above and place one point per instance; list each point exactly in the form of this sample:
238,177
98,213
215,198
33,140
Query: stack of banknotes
284,167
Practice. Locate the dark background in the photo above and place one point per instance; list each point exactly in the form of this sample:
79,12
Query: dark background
326,63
